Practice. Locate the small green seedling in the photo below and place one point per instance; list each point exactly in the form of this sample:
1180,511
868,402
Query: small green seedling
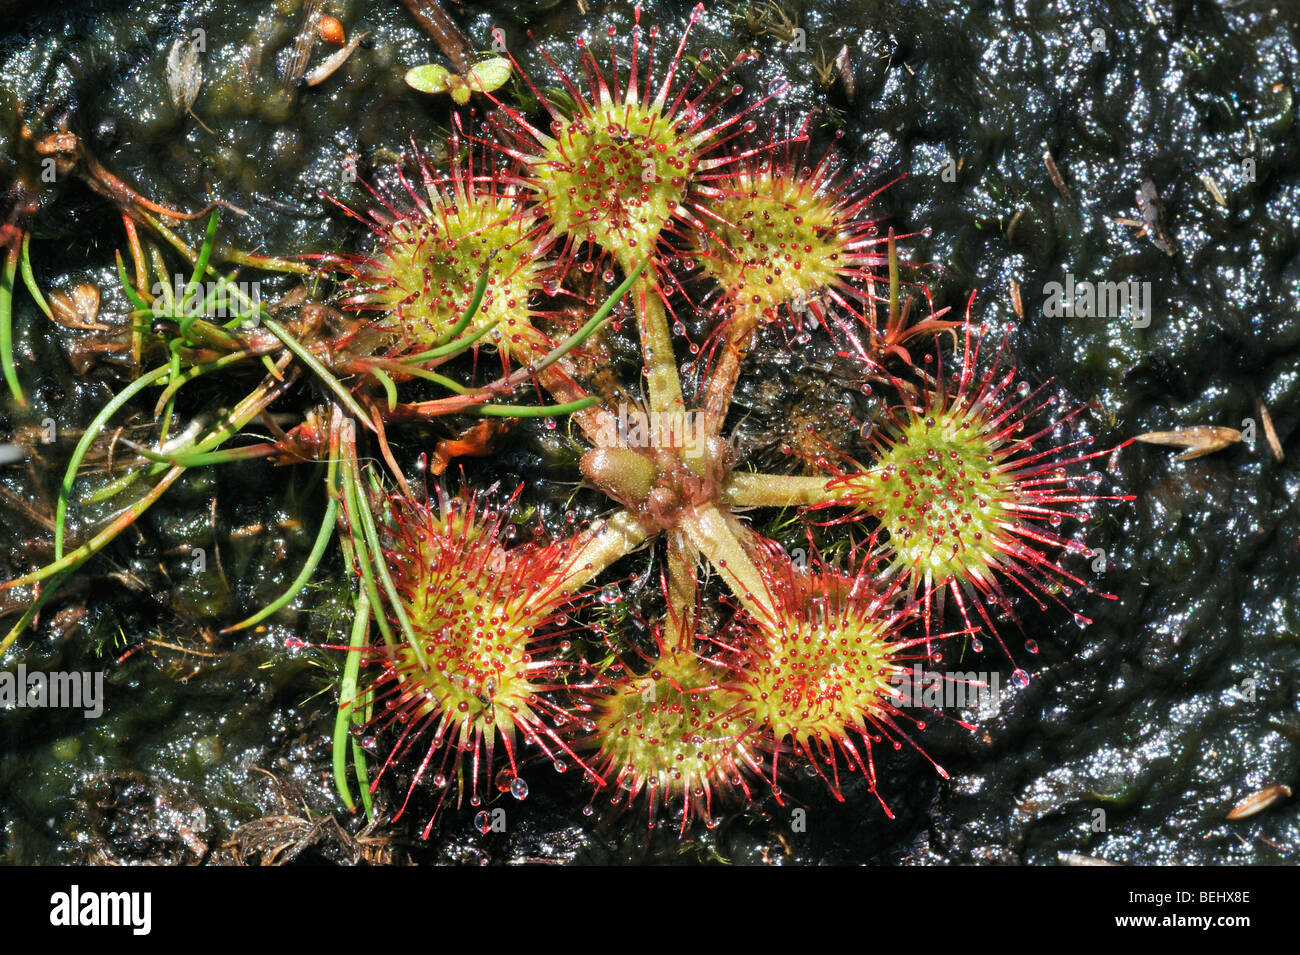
483,77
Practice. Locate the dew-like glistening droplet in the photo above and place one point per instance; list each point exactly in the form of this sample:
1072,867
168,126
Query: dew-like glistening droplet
519,788
483,822
1019,677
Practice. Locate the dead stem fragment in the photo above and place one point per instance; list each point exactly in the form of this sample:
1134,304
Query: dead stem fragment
1198,441
1153,217
1270,433
278,838
1015,221
296,68
1212,188
1055,174
846,72
184,73
1259,801
1014,288
335,60
1074,858
439,25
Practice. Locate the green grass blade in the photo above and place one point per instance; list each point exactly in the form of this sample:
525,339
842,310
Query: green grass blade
323,538
200,269
169,406
319,370
7,326
204,458
32,610
160,273
113,487
451,348
475,301
243,413
597,319
350,492
381,565
390,389
136,301
348,698
437,378
87,438
363,782
29,279
192,372
97,543
535,411
362,706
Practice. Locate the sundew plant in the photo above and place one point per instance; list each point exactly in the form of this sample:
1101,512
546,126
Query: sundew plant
599,257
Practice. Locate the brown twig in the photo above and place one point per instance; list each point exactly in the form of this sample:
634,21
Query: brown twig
439,25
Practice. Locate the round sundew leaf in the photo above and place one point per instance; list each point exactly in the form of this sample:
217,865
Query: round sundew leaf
674,733
474,605
783,240
429,78
490,74
425,268
615,176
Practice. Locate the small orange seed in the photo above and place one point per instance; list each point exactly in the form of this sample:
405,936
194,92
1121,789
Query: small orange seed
331,31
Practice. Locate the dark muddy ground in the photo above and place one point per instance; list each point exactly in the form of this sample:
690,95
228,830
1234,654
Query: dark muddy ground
1136,735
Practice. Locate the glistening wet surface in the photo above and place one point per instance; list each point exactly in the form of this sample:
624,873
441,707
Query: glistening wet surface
1136,734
